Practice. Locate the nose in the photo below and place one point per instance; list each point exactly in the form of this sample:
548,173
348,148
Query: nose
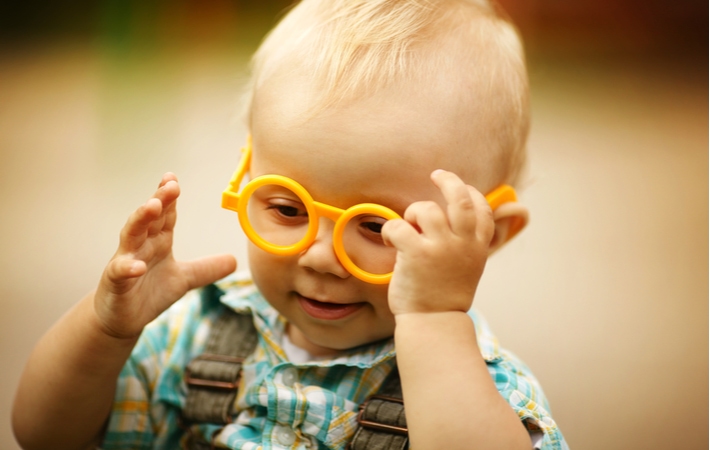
320,255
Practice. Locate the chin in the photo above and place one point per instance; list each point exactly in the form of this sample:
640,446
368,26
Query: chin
326,343
339,345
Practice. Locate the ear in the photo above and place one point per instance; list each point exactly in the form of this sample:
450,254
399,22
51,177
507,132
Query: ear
510,218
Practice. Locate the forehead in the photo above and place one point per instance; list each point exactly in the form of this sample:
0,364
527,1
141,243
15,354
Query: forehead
381,148
336,175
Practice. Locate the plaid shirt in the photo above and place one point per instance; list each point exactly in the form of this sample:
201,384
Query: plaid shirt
279,404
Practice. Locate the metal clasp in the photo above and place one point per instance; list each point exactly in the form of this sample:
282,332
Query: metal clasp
381,426
216,384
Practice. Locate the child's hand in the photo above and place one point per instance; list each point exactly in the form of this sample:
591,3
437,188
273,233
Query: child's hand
143,279
438,267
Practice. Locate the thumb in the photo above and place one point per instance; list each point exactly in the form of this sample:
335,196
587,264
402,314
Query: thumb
202,271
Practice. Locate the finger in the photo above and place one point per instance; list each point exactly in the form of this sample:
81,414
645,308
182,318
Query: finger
135,230
203,271
461,210
170,206
167,176
122,269
485,225
400,234
167,194
427,217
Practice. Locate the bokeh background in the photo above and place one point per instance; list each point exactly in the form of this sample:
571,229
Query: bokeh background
605,295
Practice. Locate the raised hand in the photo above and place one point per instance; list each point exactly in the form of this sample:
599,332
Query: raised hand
143,278
441,253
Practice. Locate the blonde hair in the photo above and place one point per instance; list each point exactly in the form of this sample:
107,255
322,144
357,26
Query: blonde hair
352,48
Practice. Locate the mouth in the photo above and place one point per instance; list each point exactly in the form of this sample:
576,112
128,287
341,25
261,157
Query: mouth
325,310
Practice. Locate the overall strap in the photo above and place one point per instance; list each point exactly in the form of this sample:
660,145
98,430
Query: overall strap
212,378
381,421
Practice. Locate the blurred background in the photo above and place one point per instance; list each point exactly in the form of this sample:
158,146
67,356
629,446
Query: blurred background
605,295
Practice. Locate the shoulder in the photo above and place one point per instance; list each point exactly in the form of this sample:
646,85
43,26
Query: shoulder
509,372
171,340
518,385
150,390
185,325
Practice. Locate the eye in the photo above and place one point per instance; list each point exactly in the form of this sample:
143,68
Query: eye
286,211
373,227
370,228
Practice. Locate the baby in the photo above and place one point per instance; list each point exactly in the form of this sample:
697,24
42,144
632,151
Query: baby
384,137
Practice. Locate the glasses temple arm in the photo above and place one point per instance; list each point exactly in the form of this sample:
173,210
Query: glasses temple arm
242,168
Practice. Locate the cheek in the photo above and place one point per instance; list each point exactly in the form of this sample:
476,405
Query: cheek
257,257
377,295
266,269
383,324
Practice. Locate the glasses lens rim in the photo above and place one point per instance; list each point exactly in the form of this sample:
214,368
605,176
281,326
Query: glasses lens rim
339,246
301,193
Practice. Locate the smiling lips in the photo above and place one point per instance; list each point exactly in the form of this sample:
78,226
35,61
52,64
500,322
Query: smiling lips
327,311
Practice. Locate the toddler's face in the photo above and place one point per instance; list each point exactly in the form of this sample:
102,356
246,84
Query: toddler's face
379,150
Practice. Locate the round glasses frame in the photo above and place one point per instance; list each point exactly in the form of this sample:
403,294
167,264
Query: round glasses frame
235,201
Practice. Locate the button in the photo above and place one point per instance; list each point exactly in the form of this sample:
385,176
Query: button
284,435
290,376
283,416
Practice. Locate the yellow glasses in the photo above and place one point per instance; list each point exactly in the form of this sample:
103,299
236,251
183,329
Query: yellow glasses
279,216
